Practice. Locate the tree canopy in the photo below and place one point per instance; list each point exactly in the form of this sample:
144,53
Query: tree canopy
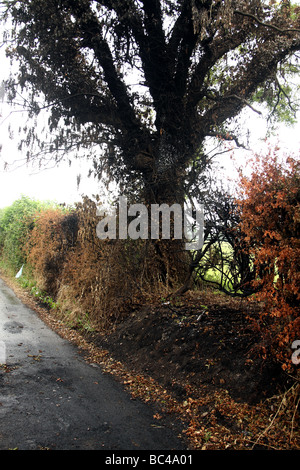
145,82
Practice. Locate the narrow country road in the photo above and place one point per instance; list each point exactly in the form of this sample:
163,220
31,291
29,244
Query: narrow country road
50,398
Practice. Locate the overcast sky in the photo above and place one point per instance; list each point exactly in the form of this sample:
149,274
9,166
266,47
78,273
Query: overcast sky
52,183
60,183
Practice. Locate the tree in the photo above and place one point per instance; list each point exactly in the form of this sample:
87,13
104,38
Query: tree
146,82
270,220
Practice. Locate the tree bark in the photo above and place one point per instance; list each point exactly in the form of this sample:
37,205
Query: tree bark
164,188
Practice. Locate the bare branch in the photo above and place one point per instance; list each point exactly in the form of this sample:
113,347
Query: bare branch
228,137
236,97
267,25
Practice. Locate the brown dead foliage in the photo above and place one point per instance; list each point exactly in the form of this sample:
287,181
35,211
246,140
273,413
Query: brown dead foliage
92,280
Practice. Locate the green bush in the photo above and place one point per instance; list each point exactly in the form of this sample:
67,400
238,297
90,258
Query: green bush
16,222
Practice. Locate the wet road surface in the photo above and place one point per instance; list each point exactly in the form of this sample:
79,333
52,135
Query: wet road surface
50,398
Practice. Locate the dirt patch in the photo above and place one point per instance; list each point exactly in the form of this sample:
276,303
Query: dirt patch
204,340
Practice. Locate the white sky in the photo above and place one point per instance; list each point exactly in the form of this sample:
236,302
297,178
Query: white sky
54,183
60,183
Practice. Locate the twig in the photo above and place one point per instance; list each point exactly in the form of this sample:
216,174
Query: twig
266,25
270,425
262,444
275,416
293,419
244,101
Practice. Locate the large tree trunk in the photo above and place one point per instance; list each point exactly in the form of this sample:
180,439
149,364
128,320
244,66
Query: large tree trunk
164,187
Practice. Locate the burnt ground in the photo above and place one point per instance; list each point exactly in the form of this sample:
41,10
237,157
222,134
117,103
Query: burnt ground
204,341
197,359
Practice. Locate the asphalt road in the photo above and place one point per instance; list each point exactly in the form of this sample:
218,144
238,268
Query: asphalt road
50,398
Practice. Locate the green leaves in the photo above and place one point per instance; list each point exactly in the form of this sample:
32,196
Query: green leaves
281,95
16,222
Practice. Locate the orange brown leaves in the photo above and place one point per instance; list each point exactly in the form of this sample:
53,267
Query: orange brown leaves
270,212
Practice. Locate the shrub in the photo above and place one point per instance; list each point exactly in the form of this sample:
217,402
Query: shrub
105,278
53,235
92,280
16,223
270,214
87,279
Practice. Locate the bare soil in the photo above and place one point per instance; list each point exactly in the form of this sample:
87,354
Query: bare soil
205,340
